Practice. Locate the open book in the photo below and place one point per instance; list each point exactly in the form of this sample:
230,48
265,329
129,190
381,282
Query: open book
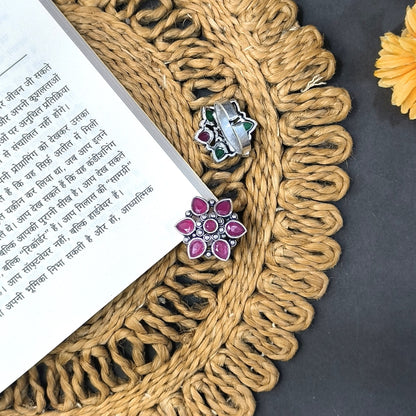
90,190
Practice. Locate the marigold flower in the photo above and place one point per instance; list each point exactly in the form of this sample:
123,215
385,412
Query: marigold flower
397,65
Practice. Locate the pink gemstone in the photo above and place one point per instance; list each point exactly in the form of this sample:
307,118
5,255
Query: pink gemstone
221,250
196,248
186,226
199,206
204,136
210,226
234,229
224,207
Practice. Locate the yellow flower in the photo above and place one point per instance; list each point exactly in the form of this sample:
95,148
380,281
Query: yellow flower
397,65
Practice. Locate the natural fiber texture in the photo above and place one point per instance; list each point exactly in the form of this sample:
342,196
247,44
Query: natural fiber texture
197,337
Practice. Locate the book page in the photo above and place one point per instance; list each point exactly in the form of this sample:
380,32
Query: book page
89,196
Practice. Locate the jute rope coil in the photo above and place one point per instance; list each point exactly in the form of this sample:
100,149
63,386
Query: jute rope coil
197,337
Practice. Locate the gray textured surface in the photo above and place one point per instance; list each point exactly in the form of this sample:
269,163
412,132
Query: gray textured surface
359,356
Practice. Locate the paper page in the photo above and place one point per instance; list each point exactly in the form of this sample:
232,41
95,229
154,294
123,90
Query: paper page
88,197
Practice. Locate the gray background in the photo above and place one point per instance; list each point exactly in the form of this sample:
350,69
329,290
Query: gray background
358,356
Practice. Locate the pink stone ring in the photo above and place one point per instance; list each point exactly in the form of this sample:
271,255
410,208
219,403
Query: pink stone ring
210,228
225,130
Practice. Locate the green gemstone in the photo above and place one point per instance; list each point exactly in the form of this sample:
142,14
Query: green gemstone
209,114
248,125
219,153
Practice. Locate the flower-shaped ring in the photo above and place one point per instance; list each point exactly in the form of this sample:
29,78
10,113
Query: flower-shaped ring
210,229
225,130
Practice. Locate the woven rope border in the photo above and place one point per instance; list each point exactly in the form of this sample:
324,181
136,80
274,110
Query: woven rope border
190,337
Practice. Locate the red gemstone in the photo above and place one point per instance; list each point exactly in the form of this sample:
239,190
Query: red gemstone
204,136
221,250
224,207
196,248
199,206
186,226
210,226
234,229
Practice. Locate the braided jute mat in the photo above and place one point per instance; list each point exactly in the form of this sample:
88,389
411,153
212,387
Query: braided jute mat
197,337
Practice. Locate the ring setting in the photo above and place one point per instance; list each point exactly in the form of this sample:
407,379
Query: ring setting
210,229
225,130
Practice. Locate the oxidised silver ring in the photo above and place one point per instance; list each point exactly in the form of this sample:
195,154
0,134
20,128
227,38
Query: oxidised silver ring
225,130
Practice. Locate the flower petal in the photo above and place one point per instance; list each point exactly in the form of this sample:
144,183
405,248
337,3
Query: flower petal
390,44
235,229
410,20
221,250
412,113
408,44
402,88
196,248
224,207
409,102
396,65
186,226
199,206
